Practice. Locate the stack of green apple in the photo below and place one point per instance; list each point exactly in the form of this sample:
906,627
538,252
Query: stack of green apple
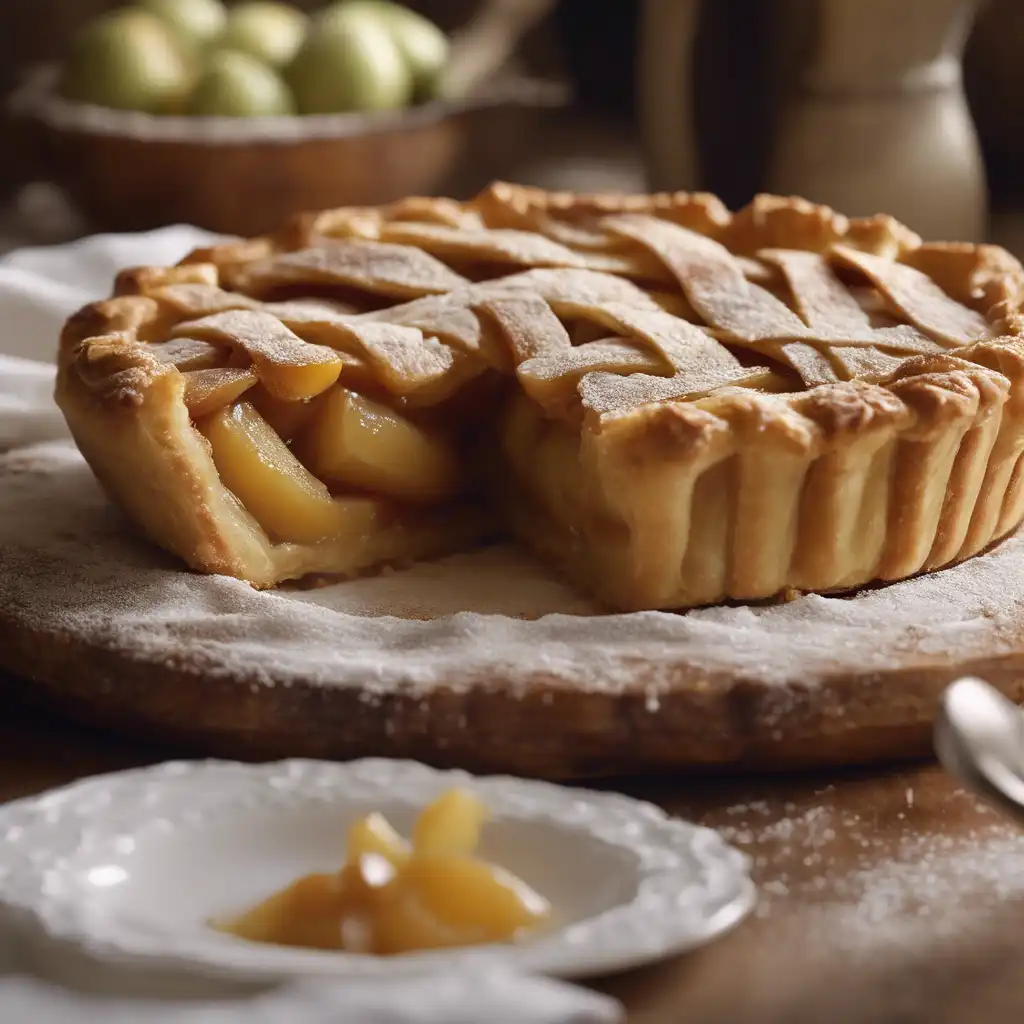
256,58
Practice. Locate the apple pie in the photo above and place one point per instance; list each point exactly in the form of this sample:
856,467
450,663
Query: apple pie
673,405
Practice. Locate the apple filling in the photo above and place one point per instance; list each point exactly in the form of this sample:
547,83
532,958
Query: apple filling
288,501
370,457
308,458
362,443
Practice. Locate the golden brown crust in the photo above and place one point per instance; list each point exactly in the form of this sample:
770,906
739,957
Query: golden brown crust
140,280
518,206
984,276
915,447
774,222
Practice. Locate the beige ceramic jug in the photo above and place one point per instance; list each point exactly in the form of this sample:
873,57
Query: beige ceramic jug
876,119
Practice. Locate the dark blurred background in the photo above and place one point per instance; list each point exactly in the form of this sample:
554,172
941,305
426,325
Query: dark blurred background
742,70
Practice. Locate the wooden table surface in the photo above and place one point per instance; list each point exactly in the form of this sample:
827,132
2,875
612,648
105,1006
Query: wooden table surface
853,868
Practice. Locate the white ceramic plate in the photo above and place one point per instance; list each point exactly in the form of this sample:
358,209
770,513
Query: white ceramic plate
130,866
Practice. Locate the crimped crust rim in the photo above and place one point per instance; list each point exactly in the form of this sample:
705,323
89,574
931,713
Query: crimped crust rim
986,273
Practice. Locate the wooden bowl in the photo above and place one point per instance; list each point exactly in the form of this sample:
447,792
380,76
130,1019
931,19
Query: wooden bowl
129,171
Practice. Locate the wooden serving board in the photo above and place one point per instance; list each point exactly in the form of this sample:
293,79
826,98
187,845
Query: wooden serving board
481,661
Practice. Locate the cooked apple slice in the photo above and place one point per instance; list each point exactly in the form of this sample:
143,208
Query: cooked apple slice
402,924
290,418
308,913
284,497
360,442
450,825
207,391
287,418
454,901
466,893
375,835
288,367
313,912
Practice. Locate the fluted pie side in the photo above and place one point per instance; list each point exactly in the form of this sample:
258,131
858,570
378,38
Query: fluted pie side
741,499
684,406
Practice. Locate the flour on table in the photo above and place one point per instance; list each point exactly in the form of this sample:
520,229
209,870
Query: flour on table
867,889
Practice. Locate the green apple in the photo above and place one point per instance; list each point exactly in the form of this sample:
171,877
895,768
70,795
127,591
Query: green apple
197,22
423,45
128,60
349,62
271,31
238,85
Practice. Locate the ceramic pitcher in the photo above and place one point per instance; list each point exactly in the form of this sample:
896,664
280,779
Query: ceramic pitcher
877,119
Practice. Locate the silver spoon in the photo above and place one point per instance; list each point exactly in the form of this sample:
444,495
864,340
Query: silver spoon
979,739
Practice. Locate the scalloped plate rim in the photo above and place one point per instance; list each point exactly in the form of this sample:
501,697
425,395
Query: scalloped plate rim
675,931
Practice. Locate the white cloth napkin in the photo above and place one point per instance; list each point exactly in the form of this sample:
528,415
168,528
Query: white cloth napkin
39,289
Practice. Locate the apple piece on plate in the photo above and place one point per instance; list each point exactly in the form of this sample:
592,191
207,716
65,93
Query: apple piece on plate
305,914
374,835
439,902
450,825
471,896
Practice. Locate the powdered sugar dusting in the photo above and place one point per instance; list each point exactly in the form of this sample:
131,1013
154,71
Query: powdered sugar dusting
878,871
70,567
448,586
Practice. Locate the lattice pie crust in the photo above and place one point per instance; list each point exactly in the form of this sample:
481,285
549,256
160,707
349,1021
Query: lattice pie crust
672,404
